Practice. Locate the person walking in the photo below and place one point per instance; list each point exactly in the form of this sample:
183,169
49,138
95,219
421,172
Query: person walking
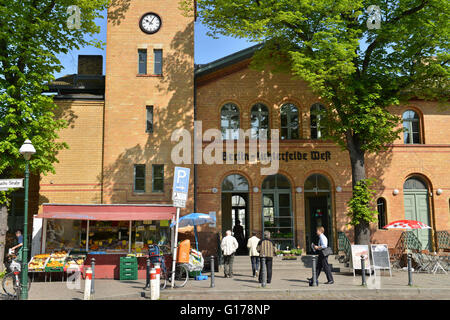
324,252
266,249
238,233
229,246
252,244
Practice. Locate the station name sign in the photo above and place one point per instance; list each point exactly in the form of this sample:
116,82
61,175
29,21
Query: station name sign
281,156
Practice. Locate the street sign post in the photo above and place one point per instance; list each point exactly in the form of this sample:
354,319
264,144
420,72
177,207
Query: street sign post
180,187
6,184
179,197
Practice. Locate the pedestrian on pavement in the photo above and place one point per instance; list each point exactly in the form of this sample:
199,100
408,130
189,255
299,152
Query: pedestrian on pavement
324,252
266,249
252,243
238,233
229,246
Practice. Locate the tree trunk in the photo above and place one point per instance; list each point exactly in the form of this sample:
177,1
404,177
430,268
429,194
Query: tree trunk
362,230
3,230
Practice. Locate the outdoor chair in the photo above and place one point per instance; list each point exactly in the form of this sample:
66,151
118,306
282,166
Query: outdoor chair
407,241
443,248
423,262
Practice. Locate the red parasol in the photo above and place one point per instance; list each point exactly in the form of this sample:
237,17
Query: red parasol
406,224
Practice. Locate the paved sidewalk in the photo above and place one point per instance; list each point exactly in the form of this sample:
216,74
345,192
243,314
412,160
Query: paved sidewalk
286,284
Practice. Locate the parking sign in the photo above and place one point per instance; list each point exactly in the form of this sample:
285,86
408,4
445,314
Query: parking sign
180,186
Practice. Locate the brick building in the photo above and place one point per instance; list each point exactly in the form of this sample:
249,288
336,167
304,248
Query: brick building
121,126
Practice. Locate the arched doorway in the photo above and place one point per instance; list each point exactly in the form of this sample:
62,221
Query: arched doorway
318,209
277,210
235,209
415,193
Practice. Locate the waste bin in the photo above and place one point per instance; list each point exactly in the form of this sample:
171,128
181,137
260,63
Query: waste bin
183,251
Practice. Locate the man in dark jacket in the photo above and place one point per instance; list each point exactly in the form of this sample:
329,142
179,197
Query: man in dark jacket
266,249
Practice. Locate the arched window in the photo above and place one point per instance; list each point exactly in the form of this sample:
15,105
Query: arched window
289,122
234,182
316,113
414,183
276,181
411,124
317,183
259,120
381,208
229,121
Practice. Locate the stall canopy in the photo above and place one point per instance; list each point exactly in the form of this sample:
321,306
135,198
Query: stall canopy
108,212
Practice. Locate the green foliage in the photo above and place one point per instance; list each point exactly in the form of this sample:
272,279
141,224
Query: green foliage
359,72
297,252
3,274
32,34
360,208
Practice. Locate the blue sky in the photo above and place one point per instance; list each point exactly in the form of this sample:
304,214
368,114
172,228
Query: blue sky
207,49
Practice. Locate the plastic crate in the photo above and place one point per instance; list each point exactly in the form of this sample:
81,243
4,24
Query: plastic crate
128,269
128,275
193,274
54,269
128,264
128,259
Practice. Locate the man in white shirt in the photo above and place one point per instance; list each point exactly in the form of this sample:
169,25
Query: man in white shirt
252,243
229,246
322,263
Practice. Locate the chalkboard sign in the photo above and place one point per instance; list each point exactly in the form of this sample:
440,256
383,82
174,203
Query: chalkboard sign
380,256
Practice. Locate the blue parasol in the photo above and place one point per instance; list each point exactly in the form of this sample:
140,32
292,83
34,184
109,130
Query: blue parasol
194,219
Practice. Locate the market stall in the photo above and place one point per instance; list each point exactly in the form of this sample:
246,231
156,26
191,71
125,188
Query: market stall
103,232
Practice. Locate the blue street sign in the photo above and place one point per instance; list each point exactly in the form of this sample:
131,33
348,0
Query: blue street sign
180,183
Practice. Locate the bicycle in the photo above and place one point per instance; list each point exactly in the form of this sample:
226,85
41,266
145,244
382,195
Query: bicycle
11,283
181,271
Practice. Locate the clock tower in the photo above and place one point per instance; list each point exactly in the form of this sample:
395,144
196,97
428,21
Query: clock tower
149,94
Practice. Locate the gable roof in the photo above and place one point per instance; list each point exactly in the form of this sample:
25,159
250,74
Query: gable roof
204,69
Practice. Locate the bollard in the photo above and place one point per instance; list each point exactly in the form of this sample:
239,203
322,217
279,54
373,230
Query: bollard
263,272
363,271
410,283
147,276
93,275
314,271
212,273
87,284
153,285
158,278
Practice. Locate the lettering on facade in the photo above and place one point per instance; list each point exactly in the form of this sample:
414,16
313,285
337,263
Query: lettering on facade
281,156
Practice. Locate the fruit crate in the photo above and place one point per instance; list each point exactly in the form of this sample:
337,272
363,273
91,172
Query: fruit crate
60,257
35,259
54,269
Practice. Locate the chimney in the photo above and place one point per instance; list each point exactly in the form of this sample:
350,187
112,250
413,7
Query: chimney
90,64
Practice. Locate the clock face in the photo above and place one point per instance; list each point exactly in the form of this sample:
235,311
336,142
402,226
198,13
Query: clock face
150,23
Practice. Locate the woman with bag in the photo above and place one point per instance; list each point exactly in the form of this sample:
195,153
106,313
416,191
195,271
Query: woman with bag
324,252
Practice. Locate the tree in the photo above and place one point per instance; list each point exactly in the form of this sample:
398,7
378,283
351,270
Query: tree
358,70
32,34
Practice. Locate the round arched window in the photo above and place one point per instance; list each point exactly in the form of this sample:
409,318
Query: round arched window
235,182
